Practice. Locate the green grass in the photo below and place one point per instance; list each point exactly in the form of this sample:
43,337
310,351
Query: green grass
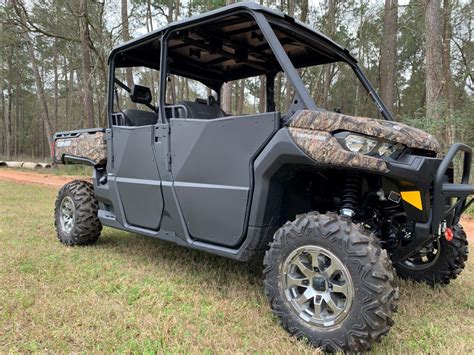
130,293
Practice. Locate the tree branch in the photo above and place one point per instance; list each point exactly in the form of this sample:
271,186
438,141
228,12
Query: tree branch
33,28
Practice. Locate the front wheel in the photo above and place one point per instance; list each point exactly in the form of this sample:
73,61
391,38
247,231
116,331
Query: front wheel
330,282
75,214
439,262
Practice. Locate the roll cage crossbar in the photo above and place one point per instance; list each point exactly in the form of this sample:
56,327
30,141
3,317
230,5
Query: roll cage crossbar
157,50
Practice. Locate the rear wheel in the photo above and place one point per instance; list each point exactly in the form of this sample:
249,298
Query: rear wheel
439,262
330,282
75,214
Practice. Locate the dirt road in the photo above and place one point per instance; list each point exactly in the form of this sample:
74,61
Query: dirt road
59,180
36,178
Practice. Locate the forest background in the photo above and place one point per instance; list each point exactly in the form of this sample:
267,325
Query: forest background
53,62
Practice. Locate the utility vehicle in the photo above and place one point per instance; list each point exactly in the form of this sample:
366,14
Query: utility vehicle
332,202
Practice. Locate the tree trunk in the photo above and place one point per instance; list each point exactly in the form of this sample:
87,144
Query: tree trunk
448,82
278,92
17,119
126,37
329,68
241,98
227,98
435,101
261,95
226,95
8,117
56,85
388,54
289,86
2,101
86,65
48,131
304,10
70,87
9,122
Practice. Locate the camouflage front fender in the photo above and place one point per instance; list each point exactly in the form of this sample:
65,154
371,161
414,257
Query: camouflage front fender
325,149
327,121
313,132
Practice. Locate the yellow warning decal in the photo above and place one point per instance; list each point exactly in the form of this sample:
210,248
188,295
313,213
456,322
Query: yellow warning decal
413,198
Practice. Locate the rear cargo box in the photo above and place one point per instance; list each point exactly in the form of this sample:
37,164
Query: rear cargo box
85,146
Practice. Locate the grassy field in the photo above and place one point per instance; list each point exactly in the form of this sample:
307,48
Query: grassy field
133,294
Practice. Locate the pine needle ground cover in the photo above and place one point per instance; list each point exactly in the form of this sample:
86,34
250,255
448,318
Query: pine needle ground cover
130,293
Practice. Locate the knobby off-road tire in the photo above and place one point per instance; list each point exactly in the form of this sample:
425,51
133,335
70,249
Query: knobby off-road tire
444,263
75,214
366,275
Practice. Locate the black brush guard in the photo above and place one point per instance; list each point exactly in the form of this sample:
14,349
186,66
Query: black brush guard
441,212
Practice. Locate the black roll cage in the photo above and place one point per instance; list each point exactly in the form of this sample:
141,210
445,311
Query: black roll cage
263,17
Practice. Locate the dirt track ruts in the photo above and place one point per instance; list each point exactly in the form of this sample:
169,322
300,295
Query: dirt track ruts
36,178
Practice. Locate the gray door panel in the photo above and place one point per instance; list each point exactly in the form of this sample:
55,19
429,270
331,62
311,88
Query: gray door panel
137,177
213,213
211,166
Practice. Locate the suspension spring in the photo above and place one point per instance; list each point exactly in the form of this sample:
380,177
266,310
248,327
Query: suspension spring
350,194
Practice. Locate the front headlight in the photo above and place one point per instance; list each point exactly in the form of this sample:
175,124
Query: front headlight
358,143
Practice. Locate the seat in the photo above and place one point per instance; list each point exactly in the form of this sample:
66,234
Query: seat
134,117
202,110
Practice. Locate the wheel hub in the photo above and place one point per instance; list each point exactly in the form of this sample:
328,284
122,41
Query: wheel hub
317,285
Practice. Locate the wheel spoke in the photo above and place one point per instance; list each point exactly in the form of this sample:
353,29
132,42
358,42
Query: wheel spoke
344,289
296,281
305,297
317,308
331,269
330,303
305,270
314,258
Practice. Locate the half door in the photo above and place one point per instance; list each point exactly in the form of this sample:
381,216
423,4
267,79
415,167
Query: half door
137,176
212,170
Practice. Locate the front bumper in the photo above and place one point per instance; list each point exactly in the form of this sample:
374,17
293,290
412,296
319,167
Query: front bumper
449,201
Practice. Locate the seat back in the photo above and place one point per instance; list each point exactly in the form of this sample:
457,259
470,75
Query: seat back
202,110
134,117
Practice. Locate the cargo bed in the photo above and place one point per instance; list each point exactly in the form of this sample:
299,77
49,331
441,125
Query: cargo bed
86,146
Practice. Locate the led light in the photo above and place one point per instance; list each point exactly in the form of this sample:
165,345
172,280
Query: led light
386,149
360,144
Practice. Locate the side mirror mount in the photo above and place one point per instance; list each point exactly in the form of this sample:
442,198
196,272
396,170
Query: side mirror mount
140,95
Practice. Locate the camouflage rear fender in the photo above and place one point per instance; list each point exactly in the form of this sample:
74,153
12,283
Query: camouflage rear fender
327,121
83,145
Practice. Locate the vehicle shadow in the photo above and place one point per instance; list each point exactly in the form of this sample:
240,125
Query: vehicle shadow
228,276
205,268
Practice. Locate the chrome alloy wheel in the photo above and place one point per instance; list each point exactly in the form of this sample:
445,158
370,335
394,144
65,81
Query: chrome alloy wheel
67,214
317,285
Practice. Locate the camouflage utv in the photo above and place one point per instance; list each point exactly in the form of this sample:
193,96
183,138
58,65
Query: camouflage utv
332,202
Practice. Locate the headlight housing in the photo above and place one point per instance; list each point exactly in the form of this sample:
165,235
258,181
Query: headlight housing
359,143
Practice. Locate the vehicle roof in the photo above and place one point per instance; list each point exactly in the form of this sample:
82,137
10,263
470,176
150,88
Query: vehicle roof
198,59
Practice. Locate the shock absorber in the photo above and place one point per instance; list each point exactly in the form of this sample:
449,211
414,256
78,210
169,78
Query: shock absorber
350,194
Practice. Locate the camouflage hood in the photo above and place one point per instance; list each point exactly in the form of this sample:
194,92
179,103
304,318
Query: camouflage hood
327,121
